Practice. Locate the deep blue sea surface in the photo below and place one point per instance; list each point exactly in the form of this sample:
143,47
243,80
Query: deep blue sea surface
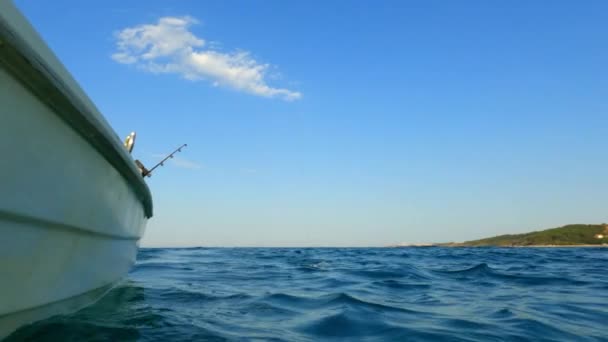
350,294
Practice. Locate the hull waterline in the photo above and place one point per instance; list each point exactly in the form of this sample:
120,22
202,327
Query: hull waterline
73,206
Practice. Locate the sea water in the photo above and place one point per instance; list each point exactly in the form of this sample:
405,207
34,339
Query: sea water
349,294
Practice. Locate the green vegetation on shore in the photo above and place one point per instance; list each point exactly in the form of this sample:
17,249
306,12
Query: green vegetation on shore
569,235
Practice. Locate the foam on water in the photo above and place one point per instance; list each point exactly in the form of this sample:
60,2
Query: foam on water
288,294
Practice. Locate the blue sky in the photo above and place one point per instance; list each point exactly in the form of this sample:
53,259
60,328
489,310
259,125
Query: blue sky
350,123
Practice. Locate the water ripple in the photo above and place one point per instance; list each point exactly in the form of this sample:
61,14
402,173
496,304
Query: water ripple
413,294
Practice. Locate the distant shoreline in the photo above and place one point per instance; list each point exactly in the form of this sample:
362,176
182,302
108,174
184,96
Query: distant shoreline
568,236
530,246
498,246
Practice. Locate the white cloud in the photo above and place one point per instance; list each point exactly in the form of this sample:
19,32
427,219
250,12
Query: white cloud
179,162
186,164
169,47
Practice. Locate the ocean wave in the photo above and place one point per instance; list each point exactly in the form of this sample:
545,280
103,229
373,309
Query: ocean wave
345,325
484,271
414,294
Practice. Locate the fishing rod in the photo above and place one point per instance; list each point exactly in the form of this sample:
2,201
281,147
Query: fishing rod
145,172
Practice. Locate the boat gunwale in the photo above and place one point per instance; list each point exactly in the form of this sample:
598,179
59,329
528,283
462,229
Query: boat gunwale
29,68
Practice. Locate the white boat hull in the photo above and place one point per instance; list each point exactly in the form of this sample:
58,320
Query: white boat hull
70,218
